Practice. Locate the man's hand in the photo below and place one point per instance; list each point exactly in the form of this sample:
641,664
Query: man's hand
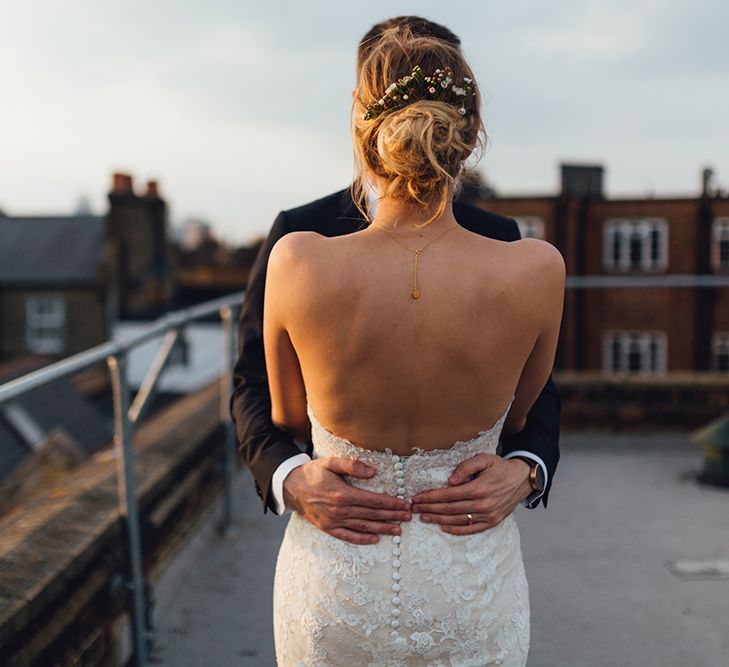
498,487
317,491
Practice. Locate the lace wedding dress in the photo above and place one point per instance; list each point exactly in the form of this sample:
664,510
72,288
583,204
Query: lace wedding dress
424,597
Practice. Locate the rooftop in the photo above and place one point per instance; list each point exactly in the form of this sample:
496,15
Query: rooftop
40,250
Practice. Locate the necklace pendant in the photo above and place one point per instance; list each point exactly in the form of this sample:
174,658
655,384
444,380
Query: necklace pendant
416,294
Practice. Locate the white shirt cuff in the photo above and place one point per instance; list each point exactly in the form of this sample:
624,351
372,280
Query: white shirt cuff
279,476
531,500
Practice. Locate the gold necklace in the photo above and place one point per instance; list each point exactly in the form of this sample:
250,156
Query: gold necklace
416,292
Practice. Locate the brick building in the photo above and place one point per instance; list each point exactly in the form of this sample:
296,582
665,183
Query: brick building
65,279
647,279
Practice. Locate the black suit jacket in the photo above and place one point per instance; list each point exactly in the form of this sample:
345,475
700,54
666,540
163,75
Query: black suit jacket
263,446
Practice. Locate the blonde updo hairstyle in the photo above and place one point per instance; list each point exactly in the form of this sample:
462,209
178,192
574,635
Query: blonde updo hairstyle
417,152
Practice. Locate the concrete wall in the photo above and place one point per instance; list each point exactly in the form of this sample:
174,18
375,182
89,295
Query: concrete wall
63,599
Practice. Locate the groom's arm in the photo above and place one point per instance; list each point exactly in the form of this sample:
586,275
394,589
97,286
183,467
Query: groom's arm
538,440
269,452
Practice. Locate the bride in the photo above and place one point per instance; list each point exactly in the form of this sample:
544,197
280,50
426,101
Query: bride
409,345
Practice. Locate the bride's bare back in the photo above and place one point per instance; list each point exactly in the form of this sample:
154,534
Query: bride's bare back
382,369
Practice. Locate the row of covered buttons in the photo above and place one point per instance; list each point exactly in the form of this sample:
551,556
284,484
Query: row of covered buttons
400,480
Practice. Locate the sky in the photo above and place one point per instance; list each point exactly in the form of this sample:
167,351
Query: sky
241,109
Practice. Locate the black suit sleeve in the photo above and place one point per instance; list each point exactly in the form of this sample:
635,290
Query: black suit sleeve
540,435
263,446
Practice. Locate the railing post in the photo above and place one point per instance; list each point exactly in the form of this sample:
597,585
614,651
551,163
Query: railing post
228,316
128,499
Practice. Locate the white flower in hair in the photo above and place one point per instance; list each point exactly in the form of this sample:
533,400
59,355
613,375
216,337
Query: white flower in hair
416,86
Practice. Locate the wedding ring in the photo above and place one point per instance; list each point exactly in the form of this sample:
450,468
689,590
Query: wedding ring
470,518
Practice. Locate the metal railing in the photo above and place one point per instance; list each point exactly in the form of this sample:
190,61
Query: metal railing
615,280
127,415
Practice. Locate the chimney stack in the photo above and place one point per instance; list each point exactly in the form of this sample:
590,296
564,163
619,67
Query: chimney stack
152,190
582,180
707,177
122,184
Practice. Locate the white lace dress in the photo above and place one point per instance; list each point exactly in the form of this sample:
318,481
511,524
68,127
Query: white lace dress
423,598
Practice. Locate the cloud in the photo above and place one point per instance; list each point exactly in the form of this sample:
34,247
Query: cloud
241,109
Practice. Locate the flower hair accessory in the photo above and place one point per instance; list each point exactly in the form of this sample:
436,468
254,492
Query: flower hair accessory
438,86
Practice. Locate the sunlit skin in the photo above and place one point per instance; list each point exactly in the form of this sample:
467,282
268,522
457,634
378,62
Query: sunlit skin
341,327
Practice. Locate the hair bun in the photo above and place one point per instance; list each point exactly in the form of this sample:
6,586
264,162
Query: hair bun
422,145
417,151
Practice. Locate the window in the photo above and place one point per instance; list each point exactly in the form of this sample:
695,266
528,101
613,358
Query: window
720,356
720,245
635,245
634,352
530,226
615,354
615,245
45,324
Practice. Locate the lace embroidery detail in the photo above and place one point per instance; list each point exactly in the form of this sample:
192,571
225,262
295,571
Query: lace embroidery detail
425,597
454,452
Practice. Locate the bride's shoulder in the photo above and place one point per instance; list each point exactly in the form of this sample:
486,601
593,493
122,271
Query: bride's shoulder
293,240
537,254
294,249
540,265
294,269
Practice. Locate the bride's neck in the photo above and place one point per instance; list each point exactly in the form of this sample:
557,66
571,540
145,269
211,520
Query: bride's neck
402,218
